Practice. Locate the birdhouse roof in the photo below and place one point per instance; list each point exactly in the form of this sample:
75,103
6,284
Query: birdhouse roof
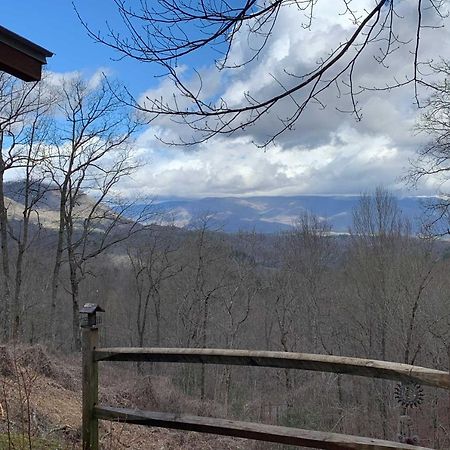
91,308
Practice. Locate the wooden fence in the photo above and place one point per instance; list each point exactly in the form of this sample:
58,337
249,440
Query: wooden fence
92,411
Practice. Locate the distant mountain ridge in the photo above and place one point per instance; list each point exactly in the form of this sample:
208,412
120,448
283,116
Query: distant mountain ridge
265,214
46,204
273,214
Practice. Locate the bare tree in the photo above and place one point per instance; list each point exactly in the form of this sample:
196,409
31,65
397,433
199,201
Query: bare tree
22,108
300,290
152,263
200,284
32,189
432,163
91,154
238,297
170,32
389,273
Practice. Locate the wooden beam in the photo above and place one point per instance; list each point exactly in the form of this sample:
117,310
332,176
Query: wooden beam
247,430
322,363
89,339
18,64
21,57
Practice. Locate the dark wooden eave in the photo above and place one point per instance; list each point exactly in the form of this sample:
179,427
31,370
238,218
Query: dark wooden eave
21,57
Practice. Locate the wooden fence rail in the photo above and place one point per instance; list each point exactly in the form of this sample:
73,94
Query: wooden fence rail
92,412
281,360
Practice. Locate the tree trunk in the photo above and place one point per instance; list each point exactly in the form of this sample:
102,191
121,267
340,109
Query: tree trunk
203,345
6,310
74,287
157,303
448,413
57,264
17,325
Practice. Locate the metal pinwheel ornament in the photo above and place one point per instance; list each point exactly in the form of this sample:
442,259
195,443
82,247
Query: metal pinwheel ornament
409,395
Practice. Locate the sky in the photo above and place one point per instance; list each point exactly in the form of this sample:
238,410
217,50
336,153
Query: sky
328,151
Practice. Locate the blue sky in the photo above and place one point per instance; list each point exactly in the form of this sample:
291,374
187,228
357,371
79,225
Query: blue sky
53,24
328,152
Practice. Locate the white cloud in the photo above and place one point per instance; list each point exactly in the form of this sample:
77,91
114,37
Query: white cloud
328,151
351,163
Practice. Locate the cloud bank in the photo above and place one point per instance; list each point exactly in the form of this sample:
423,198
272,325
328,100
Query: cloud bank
328,151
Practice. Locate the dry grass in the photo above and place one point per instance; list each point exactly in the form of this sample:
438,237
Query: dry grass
53,417
17,442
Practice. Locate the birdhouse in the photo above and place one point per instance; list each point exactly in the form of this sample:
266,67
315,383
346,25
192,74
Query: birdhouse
88,315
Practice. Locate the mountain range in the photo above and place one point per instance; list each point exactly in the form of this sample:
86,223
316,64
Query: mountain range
265,214
274,214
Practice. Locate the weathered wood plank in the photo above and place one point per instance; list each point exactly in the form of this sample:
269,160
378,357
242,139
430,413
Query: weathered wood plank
322,363
89,336
247,430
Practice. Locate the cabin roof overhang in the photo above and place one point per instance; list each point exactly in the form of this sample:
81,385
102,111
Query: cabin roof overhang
20,57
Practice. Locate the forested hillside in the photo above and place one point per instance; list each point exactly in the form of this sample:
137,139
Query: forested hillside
224,222
68,237
380,292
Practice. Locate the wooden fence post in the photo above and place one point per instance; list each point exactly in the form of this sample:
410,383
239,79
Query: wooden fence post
89,340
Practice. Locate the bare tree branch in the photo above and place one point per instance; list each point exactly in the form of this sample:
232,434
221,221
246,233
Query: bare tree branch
168,32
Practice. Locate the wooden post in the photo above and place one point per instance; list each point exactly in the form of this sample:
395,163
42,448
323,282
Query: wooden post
89,340
448,355
405,431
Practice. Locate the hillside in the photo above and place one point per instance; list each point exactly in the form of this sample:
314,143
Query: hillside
41,403
46,204
169,287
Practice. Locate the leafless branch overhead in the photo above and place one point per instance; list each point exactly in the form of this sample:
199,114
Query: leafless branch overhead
174,34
